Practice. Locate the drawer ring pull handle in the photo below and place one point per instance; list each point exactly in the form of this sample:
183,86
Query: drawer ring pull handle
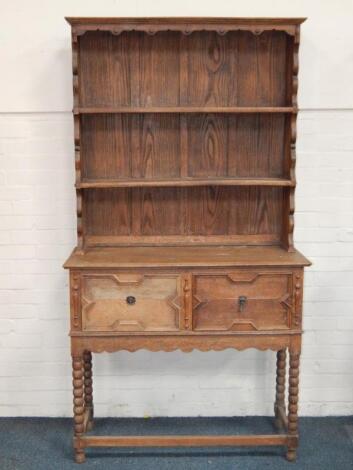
242,302
131,300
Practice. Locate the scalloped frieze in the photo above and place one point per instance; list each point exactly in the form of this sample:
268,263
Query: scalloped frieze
183,343
184,29
186,349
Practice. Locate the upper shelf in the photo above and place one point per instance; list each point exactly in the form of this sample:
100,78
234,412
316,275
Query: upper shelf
184,109
183,182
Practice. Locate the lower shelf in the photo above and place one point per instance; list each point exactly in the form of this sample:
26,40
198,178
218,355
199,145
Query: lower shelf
180,240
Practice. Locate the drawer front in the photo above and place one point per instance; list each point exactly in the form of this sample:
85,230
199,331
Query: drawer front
242,301
131,302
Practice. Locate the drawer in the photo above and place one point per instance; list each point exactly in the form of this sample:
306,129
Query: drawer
131,302
242,301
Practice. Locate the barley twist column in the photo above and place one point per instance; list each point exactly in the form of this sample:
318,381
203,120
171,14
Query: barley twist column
293,401
78,390
88,386
280,385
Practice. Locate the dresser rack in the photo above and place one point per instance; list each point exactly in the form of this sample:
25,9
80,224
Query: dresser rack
185,132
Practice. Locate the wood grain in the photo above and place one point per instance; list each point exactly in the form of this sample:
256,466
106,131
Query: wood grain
211,70
130,146
107,211
207,149
159,69
237,69
106,146
104,69
234,210
156,211
157,146
154,146
215,210
261,69
232,145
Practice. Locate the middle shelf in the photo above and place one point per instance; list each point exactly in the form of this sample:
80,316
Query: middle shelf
180,182
183,109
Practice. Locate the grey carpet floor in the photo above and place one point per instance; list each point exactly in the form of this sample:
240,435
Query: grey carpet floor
45,444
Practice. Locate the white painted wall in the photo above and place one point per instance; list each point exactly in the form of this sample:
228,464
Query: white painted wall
37,225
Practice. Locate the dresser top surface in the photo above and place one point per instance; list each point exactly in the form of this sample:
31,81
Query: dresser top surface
184,256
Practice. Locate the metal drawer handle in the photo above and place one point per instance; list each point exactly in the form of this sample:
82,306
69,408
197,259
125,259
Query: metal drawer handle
242,302
131,300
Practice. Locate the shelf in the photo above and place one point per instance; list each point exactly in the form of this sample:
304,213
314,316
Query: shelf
181,240
184,109
185,256
136,183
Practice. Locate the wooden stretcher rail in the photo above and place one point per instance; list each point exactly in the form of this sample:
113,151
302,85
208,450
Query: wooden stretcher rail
181,441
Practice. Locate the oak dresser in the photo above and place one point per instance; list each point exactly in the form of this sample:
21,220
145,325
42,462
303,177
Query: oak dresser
185,132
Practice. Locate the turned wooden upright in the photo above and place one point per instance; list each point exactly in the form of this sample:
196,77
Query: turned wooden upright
185,132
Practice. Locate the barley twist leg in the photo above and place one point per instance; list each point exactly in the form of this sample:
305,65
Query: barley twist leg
78,391
280,385
293,402
88,387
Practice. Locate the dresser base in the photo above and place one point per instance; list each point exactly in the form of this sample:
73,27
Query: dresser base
187,298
